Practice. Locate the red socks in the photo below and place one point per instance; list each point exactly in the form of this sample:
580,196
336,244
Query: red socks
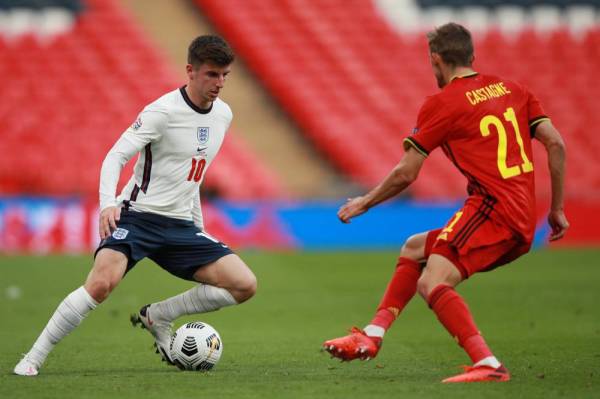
453,313
383,318
450,308
400,290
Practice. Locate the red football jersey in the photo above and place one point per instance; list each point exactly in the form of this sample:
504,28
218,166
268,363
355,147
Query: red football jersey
484,125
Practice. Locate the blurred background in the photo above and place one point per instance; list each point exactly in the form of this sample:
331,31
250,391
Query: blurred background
323,93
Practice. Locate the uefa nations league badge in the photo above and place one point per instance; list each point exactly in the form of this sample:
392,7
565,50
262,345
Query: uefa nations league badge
202,135
137,124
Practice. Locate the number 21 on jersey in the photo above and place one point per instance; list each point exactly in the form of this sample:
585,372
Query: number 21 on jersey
491,120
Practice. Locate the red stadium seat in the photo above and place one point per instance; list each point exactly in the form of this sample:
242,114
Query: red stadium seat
355,85
64,103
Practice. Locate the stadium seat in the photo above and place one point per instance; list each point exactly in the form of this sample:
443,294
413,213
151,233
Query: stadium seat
66,100
354,84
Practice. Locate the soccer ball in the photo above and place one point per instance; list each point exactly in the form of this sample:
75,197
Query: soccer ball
196,346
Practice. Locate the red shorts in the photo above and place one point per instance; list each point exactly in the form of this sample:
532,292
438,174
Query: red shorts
475,242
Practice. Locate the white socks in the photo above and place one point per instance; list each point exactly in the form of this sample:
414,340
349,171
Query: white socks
200,299
374,331
490,361
76,306
71,311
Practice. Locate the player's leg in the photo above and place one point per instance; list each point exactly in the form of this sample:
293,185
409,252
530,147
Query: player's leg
365,344
436,286
403,284
223,282
229,273
108,271
109,268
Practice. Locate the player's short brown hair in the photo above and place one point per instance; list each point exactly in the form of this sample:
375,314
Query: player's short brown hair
210,49
453,43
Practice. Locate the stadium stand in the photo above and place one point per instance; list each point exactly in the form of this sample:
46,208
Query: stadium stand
75,75
499,3
353,81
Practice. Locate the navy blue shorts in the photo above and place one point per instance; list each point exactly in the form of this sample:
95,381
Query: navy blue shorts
176,245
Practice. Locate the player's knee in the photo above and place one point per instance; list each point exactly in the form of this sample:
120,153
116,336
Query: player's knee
413,248
98,288
245,289
424,286
109,268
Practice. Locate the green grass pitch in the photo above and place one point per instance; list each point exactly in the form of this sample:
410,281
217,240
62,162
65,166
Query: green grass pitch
540,315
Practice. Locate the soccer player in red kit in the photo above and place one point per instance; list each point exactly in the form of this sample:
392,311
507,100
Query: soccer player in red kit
484,124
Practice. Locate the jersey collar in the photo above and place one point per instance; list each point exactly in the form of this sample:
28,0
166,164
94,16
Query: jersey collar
466,75
193,106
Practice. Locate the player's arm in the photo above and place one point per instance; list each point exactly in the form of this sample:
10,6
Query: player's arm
396,181
113,164
547,134
151,124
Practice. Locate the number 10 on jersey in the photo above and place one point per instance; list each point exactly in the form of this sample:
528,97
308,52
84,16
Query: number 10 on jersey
196,170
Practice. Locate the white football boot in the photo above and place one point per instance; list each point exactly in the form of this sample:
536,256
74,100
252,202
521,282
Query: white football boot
26,367
160,329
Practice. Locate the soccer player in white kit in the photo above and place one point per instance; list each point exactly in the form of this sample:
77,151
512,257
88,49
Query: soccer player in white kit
158,214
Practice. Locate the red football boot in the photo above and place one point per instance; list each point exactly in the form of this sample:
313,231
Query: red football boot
481,374
356,345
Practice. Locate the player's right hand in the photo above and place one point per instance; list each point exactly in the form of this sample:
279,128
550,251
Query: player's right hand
354,207
558,223
109,217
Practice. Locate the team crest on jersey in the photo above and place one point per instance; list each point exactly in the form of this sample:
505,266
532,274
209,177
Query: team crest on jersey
415,131
203,135
137,124
120,233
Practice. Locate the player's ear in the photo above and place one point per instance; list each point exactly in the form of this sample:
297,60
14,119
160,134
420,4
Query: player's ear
189,69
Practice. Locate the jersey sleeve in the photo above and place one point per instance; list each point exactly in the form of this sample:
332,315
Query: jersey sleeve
433,127
228,117
149,127
535,112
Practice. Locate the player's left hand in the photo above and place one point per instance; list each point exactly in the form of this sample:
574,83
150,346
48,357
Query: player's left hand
354,207
559,224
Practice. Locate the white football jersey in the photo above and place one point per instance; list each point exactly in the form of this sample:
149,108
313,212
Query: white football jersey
177,141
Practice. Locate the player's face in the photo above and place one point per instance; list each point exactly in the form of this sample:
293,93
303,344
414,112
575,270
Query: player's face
437,69
207,80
